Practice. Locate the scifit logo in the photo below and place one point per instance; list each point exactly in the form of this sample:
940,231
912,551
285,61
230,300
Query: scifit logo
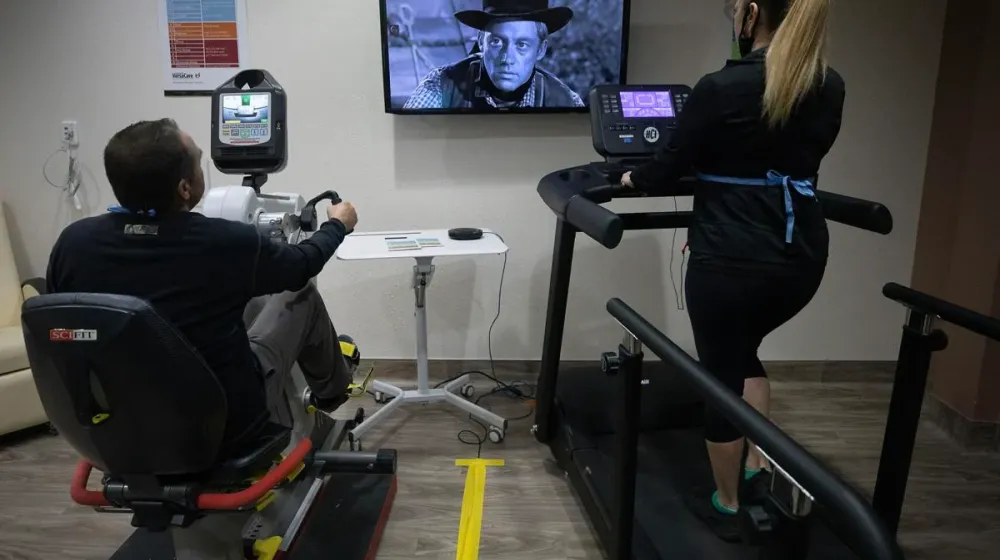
72,335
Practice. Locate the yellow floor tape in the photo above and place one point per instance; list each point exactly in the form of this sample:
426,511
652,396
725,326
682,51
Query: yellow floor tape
471,525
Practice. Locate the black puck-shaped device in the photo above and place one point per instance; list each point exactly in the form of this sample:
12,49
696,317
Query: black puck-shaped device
465,234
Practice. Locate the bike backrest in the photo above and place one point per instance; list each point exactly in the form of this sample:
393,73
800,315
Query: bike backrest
122,385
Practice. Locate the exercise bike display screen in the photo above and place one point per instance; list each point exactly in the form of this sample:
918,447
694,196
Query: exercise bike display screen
647,104
245,119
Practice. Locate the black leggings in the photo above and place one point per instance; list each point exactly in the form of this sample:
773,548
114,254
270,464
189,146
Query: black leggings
730,316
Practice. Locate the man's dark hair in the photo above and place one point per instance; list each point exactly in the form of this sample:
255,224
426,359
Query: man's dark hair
145,162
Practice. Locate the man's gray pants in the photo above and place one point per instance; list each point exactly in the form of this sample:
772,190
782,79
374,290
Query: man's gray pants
290,328
284,329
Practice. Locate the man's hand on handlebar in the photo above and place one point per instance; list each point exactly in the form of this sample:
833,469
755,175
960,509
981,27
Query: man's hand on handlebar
345,212
627,180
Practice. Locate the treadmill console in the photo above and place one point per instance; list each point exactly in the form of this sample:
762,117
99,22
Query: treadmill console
632,121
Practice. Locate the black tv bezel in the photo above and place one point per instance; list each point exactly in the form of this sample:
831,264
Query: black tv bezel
387,90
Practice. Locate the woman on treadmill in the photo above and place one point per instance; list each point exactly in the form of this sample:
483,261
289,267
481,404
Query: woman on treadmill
754,133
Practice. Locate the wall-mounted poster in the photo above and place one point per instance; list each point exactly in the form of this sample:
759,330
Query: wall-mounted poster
204,44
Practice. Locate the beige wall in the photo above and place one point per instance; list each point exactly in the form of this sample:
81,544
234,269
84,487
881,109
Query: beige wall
958,246
66,59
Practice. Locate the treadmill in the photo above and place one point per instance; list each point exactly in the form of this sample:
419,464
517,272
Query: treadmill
576,413
782,525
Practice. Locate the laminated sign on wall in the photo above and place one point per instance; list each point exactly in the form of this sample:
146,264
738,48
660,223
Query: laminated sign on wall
204,43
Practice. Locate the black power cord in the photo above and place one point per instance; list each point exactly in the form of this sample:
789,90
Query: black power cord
519,390
679,295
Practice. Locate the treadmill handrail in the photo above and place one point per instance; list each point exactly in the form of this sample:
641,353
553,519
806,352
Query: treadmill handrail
867,534
955,314
841,208
601,224
581,205
856,212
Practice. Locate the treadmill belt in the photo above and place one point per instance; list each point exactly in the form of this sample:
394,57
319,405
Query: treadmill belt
670,463
664,526
666,401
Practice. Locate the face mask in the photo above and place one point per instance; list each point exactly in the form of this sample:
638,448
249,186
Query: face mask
746,43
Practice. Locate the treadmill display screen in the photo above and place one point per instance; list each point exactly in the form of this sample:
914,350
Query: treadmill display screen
245,119
633,121
647,104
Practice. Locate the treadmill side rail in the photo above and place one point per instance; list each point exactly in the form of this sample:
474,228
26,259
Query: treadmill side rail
555,323
628,370
919,342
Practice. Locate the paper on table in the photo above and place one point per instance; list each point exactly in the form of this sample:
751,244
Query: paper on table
429,242
402,245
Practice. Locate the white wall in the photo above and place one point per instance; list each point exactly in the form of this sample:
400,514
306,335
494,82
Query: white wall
97,61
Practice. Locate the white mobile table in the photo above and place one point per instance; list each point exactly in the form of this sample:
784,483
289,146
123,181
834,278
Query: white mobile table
374,246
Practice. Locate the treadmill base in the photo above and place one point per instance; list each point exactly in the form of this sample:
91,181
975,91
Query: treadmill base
672,459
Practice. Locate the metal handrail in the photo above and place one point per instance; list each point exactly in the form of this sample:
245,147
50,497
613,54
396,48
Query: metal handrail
864,531
954,314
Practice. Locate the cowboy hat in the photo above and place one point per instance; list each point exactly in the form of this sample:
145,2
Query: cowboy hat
523,10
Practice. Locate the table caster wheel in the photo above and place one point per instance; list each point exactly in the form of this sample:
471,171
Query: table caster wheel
495,434
468,390
52,430
379,397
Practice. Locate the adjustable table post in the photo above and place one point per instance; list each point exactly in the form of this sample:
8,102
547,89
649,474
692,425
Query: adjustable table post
373,246
422,274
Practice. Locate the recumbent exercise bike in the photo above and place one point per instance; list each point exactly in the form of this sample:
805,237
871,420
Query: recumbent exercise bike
137,402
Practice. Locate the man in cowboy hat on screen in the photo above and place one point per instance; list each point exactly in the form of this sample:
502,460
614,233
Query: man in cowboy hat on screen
513,37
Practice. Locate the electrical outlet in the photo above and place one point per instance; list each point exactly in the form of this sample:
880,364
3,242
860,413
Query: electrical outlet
70,134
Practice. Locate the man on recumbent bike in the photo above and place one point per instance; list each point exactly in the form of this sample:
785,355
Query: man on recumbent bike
244,302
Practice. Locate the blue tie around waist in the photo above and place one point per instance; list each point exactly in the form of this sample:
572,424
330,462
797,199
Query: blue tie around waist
774,179
123,210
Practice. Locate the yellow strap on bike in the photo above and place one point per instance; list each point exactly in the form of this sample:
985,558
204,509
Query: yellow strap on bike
290,478
358,390
266,500
349,350
266,549
295,473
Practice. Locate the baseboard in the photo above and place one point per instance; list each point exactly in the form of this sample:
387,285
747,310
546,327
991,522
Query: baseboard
526,370
833,371
972,435
507,371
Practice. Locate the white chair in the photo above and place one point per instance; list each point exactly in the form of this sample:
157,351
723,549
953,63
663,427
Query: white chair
19,404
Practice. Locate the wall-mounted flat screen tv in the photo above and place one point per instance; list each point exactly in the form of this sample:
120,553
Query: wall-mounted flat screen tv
500,56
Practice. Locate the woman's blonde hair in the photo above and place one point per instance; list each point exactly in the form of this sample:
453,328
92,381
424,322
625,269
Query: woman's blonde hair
796,59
